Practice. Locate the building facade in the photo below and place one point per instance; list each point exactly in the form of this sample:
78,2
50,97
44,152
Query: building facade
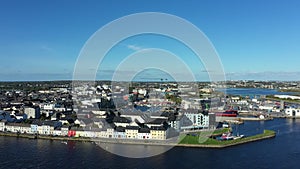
292,112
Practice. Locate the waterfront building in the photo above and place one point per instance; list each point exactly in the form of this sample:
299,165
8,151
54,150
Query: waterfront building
110,132
119,132
18,127
292,112
71,133
47,129
144,133
159,132
43,127
89,133
56,132
102,134
64,130
2,125
40,129
34,128
197,120
25,128
11,128
131,132
80,132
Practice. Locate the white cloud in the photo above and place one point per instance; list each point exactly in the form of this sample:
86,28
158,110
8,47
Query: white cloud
134,47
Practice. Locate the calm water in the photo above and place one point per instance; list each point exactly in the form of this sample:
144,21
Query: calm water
280,152
252,91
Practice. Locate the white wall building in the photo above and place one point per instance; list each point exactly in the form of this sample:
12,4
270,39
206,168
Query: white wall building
292,112
48,106
198,120
64,130
56,132
15,127
2,125
144,135
176,124
32,112
288,97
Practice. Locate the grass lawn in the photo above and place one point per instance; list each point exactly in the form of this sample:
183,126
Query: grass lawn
203,140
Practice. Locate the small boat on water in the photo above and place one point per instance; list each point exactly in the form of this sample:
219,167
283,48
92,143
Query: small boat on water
226,136
64,142
238,137
229,136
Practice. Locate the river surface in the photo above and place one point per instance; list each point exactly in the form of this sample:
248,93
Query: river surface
283,151
251,91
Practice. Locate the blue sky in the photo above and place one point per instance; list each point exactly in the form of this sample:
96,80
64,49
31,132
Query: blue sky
257,40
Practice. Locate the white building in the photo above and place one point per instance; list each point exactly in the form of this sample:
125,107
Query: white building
25,128
292,112
56,132
48,106
176,124
198,120
288,97
131,132
64,130
17,127
45,129
33,128
119,133
266,107
31,112
144,133
109,132
2,126
80,132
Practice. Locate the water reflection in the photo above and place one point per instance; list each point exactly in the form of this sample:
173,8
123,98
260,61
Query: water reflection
134,151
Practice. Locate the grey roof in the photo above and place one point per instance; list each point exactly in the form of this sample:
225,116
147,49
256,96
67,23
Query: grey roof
132,128
155,121
158,128
118,119
120,129
19,124
144,130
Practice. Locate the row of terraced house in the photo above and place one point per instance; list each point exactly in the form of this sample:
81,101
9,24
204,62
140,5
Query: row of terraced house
49,128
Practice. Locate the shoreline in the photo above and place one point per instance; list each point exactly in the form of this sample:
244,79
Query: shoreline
139,142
